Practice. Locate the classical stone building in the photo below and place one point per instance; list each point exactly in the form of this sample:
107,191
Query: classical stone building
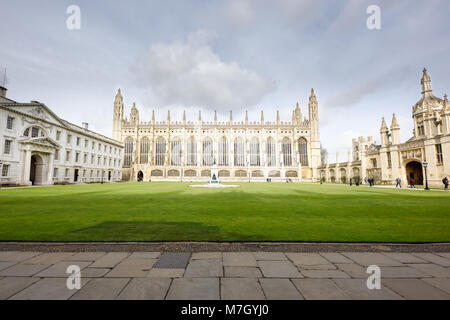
39,148
243,150
392,159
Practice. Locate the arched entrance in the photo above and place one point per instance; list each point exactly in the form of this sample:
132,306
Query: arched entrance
36,170
414,170
140,176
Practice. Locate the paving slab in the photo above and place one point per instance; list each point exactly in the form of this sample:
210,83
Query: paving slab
280,289
94,272
328,266
23,270
101,289
17,256
353,270
325,274
173,260
307,259
239,259
48,258
6,255
6,264
242,272
241,289
132,268
335,257
166,273
59,270
444,254
194,289
415,289
432,269
267,256
9,286
357,290
404,257
402,272
110,260
443,262
372,258
146,289
86,256
279,269
145,255
204,268
320,289
441,283
206,255
48,289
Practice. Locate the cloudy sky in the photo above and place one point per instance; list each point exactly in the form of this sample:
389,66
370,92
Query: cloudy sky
228,55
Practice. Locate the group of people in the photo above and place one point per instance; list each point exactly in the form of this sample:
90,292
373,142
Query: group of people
412,183
370,181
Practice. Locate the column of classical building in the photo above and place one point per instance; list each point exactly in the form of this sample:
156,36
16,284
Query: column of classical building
243,150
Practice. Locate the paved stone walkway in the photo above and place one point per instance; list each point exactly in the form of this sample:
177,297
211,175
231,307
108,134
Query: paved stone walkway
226,276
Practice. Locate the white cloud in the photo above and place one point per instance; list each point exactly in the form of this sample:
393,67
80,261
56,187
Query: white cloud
191,74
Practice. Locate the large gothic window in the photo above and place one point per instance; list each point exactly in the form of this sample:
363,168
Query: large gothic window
223,152
145,149
303,151
191,152
128,156
208,156
270,152
255,159
160,151
175,152
239,155
286,148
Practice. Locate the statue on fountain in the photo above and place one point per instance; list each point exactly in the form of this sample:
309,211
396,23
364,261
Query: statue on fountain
214,173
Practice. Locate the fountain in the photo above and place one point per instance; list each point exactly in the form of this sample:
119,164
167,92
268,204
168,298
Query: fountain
214,180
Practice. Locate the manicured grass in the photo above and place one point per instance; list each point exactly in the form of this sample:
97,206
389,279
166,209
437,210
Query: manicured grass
167,211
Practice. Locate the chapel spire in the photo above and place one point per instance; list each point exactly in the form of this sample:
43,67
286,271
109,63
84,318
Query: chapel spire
394,123
426,82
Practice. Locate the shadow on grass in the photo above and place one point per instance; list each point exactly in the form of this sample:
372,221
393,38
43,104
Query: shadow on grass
158,231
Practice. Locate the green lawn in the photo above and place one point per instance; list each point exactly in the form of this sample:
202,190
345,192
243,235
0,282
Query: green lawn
167,211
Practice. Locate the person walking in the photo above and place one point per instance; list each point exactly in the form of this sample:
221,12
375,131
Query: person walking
445,182
412,182
398,183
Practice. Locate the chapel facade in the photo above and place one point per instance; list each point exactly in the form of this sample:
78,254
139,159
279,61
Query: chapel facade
185,150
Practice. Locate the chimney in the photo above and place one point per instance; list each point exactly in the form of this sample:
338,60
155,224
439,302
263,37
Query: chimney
3,92
85,125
